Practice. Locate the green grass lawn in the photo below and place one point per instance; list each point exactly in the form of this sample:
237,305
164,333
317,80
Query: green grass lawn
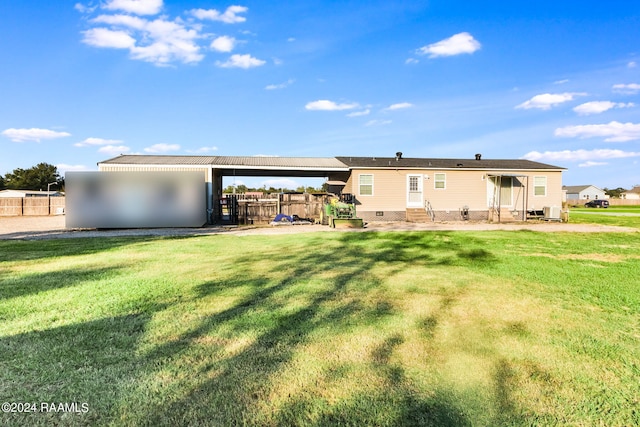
381,329
625,216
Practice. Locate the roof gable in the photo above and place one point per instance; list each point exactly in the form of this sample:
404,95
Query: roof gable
575,189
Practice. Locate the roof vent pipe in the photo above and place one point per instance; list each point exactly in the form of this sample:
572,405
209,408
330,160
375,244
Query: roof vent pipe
478,156
398,155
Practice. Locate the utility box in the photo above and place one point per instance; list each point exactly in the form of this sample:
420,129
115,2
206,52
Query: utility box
552,213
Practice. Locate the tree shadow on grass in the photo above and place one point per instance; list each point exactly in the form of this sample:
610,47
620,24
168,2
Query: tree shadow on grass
92,362
278,313
34,283
399,403
24,250
236,385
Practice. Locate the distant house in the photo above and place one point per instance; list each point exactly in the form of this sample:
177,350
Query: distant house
28,193
584,192
633,194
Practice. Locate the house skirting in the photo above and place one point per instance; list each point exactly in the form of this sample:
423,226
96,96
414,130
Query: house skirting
370,216
422,215
458,215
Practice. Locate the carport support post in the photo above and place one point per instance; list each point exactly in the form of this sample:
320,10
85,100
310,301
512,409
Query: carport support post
216,193
49,196
209,194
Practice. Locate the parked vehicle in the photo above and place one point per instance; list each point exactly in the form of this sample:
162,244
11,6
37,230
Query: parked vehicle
597,204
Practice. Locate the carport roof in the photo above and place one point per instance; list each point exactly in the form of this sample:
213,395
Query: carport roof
232,161
240,165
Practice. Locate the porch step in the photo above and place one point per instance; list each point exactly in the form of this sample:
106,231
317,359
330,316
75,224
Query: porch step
507,215
418,215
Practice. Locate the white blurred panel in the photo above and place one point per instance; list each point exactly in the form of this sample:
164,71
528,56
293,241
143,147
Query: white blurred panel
135,199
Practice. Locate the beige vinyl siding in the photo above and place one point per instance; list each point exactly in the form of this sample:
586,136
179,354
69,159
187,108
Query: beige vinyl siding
554,190
462,188
389,190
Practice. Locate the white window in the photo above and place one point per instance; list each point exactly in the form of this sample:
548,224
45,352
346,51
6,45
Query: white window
440,180
539,185
413,184
366,185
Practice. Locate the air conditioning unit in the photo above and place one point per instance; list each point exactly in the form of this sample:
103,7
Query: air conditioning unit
551,212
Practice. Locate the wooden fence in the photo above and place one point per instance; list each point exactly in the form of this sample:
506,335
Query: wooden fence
624,202
612,202
31,206
263,211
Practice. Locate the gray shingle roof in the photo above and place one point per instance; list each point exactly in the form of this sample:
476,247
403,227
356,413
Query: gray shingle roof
420,163
575,189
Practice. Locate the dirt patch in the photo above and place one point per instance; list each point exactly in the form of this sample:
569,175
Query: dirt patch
52,227
602,257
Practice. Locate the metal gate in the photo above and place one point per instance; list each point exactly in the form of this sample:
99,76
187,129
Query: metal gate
227,210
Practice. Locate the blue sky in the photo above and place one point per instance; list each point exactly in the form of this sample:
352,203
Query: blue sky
555,82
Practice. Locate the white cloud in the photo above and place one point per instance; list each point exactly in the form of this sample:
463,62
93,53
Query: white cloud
627,89
159,41
597,107
561,82
399,106
162,148
378,122
97,141
632,64
455,45
280,85
103,37
579,155
590,164
223,44
547,100
411,61
612,132
129,21
326,105
32,134
229,16
169,41
114,150
241,61
138,7
359,113
83,9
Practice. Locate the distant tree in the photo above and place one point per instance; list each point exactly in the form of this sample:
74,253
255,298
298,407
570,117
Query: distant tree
2,186
35,178
238,189
615,192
